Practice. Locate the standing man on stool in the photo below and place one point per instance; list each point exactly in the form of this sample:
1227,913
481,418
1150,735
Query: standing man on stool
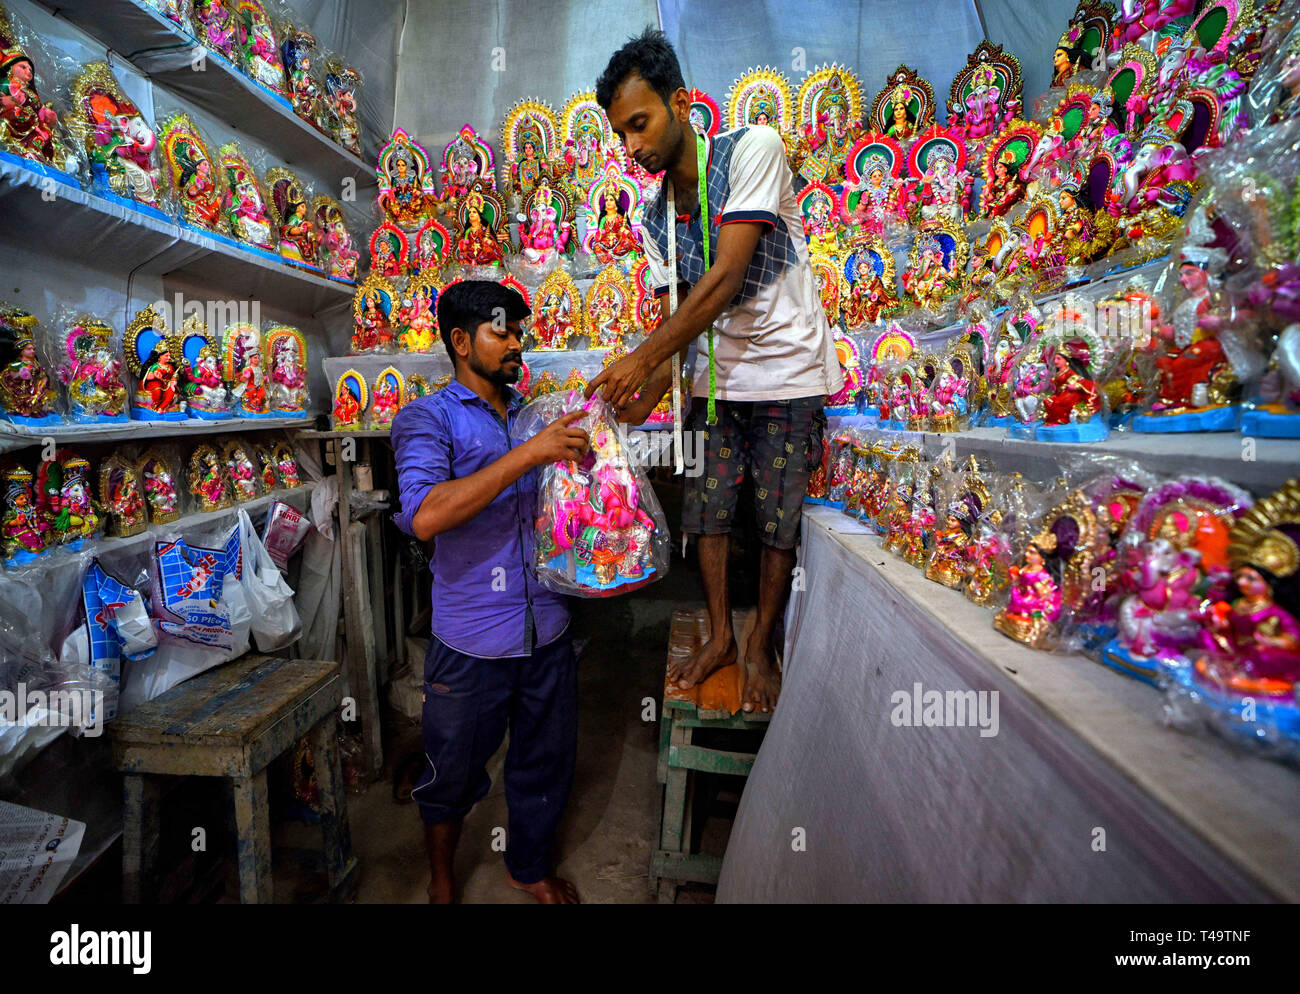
772,346
500,654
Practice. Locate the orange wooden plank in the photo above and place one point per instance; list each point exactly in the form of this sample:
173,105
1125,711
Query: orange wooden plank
721,690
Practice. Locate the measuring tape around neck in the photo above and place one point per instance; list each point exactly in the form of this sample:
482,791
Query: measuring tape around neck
701,166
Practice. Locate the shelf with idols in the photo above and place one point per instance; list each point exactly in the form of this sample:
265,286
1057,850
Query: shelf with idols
1259,464
76,434
170,56
49,217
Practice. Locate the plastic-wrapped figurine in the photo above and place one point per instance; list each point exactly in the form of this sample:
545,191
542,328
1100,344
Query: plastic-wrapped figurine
341,84
27,393
386,398
93,374
28,126
205,388
1073,411
154,356
1198,386
1251,629
467,159
338,257
160,492
259,52
208,480
242,368
286,465
200,184
589,142
418,315
118,141
63,498
374,308
299,237
1175,546
246,207
558,315
546,226
264,463
599,529
609,309
244,476
24,529
351,397
119,496
216,26
286,351
296,49
1035,604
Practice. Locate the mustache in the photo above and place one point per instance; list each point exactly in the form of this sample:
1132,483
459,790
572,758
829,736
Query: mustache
513,357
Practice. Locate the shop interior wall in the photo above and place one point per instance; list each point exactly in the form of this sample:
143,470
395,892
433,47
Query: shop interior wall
510,50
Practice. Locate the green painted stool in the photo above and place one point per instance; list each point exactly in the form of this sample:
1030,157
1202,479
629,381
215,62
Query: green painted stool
680,758
231,722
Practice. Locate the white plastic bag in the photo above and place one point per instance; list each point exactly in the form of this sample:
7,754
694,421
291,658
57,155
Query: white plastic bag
274,618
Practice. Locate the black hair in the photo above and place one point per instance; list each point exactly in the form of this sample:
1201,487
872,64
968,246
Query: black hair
652,58
469,303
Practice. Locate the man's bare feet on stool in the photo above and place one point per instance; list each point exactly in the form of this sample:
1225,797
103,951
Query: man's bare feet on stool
762,679
548,890
713,655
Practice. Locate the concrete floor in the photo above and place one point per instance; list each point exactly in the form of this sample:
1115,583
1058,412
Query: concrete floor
605,840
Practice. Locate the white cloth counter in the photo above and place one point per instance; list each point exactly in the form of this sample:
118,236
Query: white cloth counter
892,813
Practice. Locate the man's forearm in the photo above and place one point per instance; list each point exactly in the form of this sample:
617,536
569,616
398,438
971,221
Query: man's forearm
455,502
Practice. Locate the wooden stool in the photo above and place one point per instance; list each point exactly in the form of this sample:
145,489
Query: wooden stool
232,722
713,704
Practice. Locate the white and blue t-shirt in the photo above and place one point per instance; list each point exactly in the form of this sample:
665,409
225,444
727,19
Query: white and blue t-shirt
773,341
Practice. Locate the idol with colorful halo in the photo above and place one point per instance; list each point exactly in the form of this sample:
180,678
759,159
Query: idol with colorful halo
286,351
120,497
156,360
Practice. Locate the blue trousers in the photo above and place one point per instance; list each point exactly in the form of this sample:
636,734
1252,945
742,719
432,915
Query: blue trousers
469,703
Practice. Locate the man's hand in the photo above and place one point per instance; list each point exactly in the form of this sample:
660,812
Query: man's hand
558,441
621,381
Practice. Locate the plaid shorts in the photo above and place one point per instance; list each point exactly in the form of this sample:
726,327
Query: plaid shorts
779,443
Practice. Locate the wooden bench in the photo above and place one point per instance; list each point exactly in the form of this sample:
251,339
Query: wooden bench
232,722
713,704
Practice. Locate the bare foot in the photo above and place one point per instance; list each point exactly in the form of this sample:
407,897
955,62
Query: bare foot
442,891
713,655
762,679
548,890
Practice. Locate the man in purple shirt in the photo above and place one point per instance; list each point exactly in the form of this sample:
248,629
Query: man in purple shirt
500,654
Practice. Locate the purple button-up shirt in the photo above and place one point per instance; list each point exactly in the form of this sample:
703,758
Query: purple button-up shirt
486,598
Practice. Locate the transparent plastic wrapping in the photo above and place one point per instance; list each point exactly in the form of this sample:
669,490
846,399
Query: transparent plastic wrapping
286,363
905,480
247,212
299,237
302,73
90,368
32,128
1241,676
600,530
64,494
340,100
29,396
122,148
159,470
214,26
839,463
258,46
